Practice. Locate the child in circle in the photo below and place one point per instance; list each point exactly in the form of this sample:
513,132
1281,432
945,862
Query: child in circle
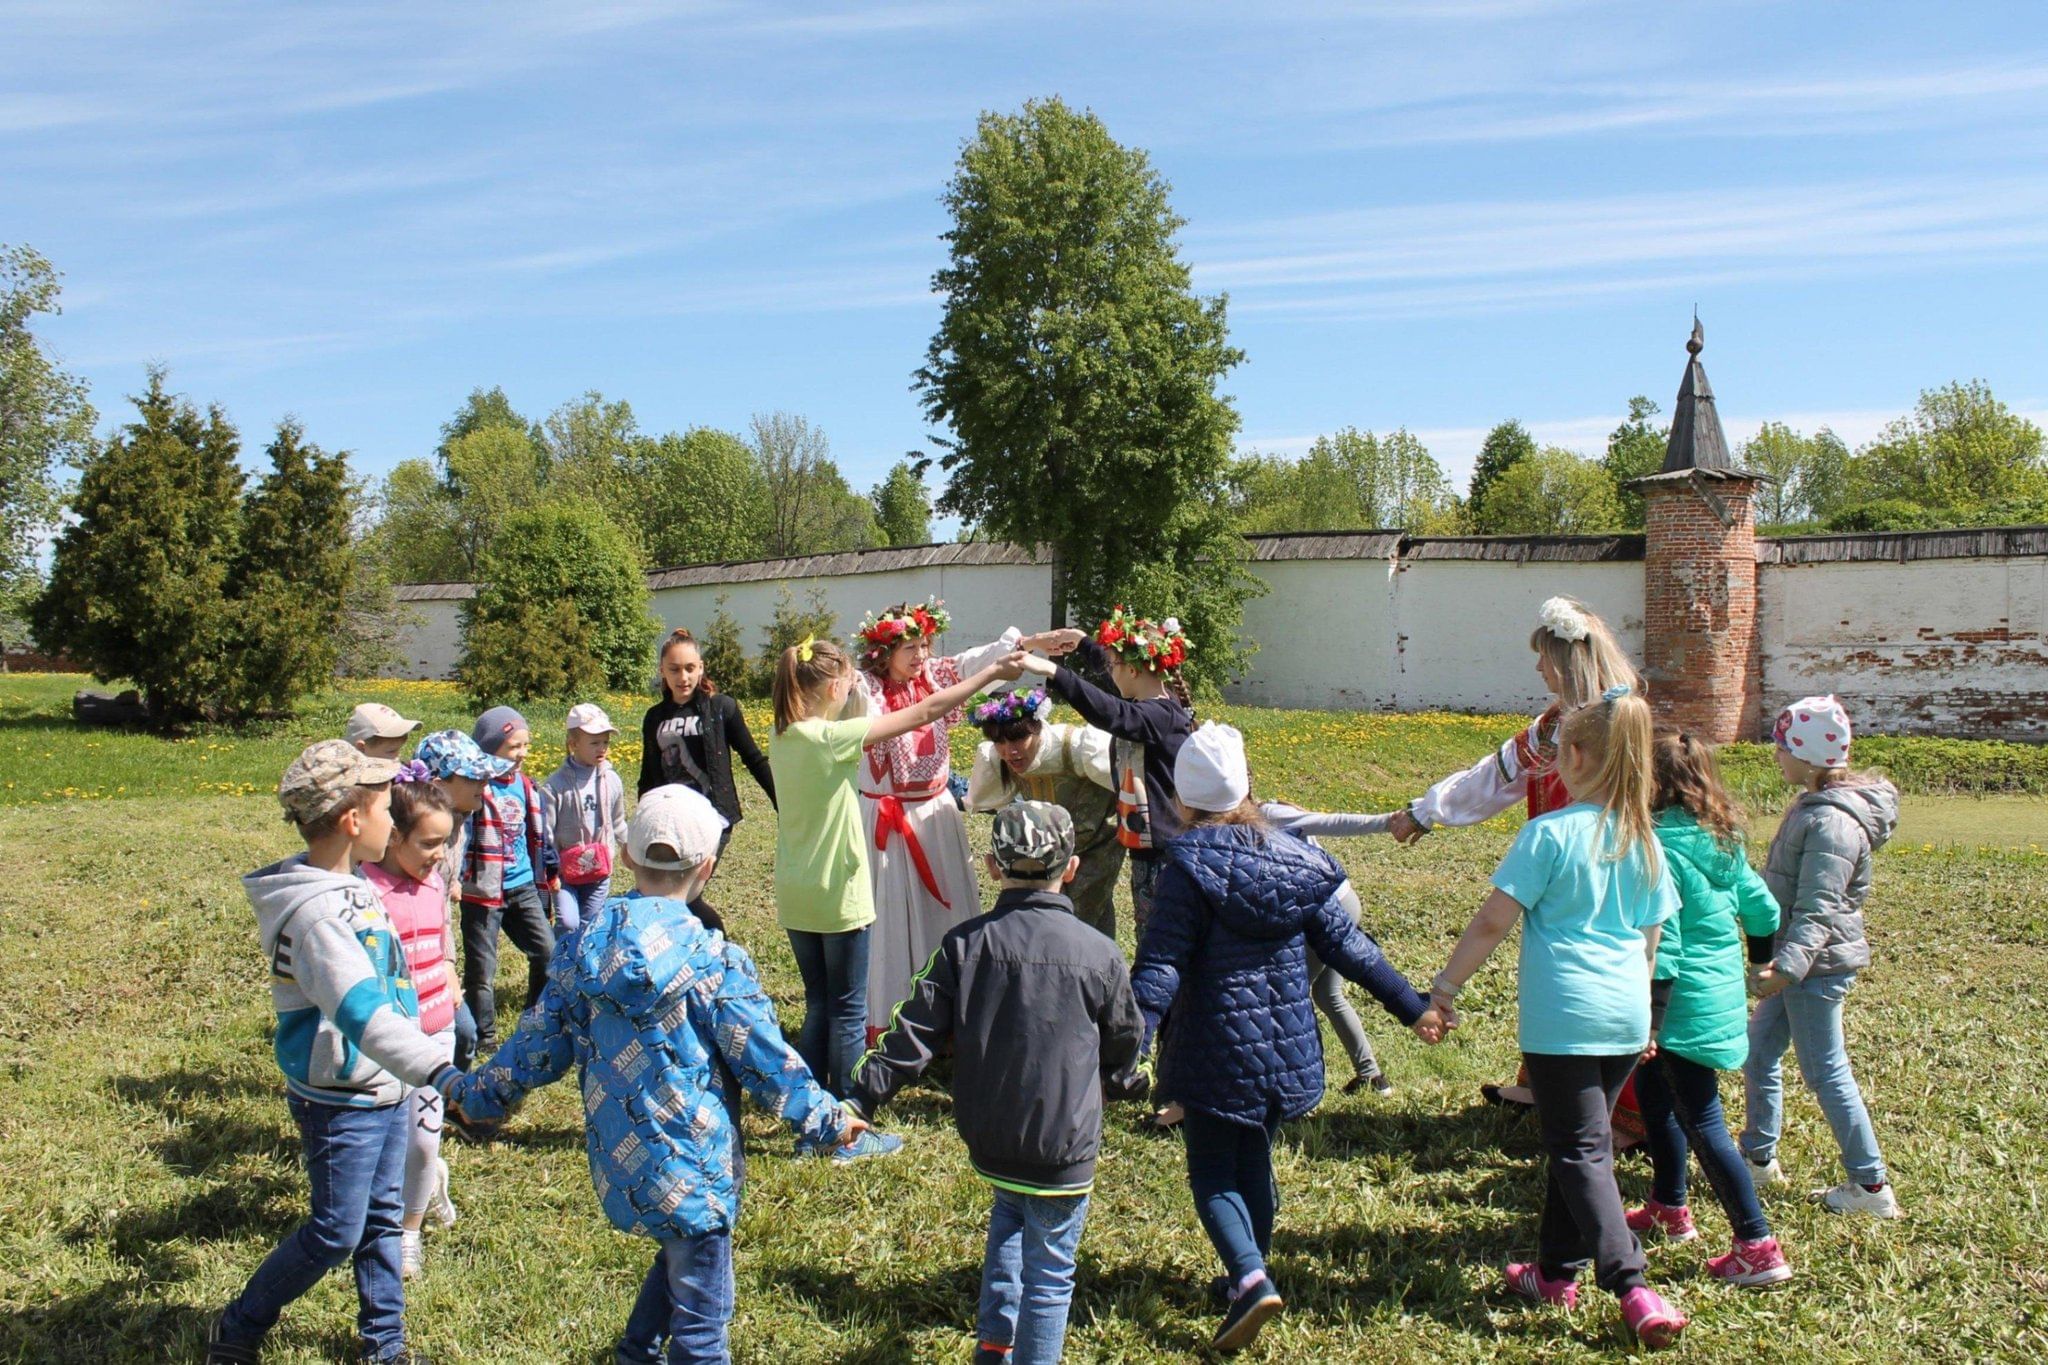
585,805
508,874
408,881
461,771
1698,1015
1591,892
1819,869
378,731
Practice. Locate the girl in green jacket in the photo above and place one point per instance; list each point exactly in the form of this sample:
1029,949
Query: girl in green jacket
1699,1013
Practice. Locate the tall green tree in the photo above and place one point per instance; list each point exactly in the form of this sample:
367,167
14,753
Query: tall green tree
484,408
1348,480
1635,450
494,474
811,508
698,497
903,510
1077,371
1808,474
1961,447
138,578
418,535
587,446
46,422
1553,492
1506,446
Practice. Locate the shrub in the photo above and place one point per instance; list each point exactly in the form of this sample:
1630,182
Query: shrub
725,653
788,626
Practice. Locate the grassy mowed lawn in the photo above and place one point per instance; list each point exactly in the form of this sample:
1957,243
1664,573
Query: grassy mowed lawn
151,1163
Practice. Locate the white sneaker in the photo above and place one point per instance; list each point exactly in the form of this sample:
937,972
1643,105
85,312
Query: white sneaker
1850,1197
411,1257
1768,1172
440,1205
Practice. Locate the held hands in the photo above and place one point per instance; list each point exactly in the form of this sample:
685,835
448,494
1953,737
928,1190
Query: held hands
855,1126
1011,666
1405,828
1767,980
1055,642
1436,1021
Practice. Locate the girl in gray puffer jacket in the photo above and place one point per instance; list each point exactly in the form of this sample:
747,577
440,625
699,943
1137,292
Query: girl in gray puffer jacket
1819,869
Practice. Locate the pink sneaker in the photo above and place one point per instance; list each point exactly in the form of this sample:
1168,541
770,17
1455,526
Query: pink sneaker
1674,1221
1751,1264
1655,1322
1526,1279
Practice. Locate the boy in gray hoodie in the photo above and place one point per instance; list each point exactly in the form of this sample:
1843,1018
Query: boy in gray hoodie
349,1044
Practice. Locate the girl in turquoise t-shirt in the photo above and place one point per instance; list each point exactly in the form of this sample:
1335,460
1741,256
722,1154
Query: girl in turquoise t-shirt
822,896
1589,887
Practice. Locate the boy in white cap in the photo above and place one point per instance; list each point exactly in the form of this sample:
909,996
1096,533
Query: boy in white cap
584,804
655,1010
377,730
349,1044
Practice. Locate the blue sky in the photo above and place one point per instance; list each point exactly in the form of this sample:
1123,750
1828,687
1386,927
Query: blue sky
1435,215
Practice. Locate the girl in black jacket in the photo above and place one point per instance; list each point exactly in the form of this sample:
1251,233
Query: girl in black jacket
689,738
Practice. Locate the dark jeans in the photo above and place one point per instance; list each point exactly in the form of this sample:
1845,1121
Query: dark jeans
1583,1220
706,913
1144,879
465,1036
1681,1106
1230,1173
835,972
525,919
355,1167
685,1299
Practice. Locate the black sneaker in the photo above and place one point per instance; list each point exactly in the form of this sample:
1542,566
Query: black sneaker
1249,1312
406,1356
1219,1292
1381,1086
219,1352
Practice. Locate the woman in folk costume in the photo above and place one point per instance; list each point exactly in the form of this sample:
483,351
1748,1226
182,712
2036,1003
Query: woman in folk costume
1025,756
1578,659
923,870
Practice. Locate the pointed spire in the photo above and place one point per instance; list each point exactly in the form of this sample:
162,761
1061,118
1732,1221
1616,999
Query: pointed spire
1696,439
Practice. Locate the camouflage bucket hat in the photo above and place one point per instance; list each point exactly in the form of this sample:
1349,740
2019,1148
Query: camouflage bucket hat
1033,839
319,779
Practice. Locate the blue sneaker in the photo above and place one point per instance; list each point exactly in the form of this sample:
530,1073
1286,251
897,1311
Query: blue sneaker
1249,1312
869,1143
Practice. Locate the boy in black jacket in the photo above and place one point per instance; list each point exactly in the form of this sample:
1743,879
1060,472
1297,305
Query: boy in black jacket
1039,1012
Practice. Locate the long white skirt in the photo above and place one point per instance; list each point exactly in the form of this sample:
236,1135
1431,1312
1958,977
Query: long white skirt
909,921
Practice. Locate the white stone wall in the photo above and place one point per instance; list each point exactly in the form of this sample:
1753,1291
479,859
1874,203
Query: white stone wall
1938,646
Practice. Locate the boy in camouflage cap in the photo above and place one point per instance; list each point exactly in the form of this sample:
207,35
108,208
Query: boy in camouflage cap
1038,1009
349,1044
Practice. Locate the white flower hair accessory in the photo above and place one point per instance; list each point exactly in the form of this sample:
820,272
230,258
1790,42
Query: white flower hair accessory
1171,625
1561,617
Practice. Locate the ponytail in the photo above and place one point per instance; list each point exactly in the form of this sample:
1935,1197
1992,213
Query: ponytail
681,636
1177,688
1618,728
800,672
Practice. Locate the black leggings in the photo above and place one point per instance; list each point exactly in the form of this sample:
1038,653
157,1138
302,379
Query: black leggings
1583,1221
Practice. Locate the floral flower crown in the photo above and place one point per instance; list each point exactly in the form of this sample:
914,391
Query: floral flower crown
1563,618
1011,707
1142,643
880,634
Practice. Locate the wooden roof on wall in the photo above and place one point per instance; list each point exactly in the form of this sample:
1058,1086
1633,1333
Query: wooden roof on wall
1900,547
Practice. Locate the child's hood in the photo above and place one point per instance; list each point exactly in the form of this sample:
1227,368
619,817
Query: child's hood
282,889
1258,886
1685,840
1872,803
635,952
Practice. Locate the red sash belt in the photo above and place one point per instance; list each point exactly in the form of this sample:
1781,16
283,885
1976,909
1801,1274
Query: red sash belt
890,818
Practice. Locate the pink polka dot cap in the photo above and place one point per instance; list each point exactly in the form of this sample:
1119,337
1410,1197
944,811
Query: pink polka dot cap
1816,730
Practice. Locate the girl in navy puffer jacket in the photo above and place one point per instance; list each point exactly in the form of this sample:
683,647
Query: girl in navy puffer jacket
1239,905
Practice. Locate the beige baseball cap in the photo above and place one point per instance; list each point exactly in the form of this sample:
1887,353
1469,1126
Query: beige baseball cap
375,720
676,818
590,718
321,778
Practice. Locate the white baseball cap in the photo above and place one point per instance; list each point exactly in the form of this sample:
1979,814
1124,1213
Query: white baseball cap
1209,772
590,718
678,819
375,720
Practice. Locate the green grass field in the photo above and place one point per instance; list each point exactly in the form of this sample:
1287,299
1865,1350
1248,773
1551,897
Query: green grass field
151,1165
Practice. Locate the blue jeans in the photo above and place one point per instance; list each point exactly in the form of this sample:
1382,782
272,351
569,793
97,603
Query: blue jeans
835,972
1807,1015
1230,1172
524,918
1027,1277
465,1036
574,904
355,1166
686,1299
1680,1102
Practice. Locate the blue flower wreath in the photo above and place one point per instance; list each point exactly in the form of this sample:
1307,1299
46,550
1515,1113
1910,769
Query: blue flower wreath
1011,707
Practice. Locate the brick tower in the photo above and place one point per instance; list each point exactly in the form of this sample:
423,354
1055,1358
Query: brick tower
1700,640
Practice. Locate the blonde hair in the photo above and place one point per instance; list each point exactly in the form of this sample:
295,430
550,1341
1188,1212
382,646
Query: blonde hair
1587,667
1245,814
1616,727
798,680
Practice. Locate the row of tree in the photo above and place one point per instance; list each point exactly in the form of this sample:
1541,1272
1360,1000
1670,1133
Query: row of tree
1960,458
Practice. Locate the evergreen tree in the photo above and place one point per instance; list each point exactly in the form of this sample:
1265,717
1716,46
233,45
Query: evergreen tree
903,510
1506,446
1635,450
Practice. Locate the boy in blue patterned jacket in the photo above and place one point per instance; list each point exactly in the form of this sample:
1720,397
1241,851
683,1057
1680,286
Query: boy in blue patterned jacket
664,1021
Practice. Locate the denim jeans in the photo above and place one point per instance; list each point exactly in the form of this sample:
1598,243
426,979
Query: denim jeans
1230,1172
465,1037
1144,877
685,1299
1583,1220
835,972
574,904
525,921
355,1166
1680,1102
1807,1015
1027,1277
